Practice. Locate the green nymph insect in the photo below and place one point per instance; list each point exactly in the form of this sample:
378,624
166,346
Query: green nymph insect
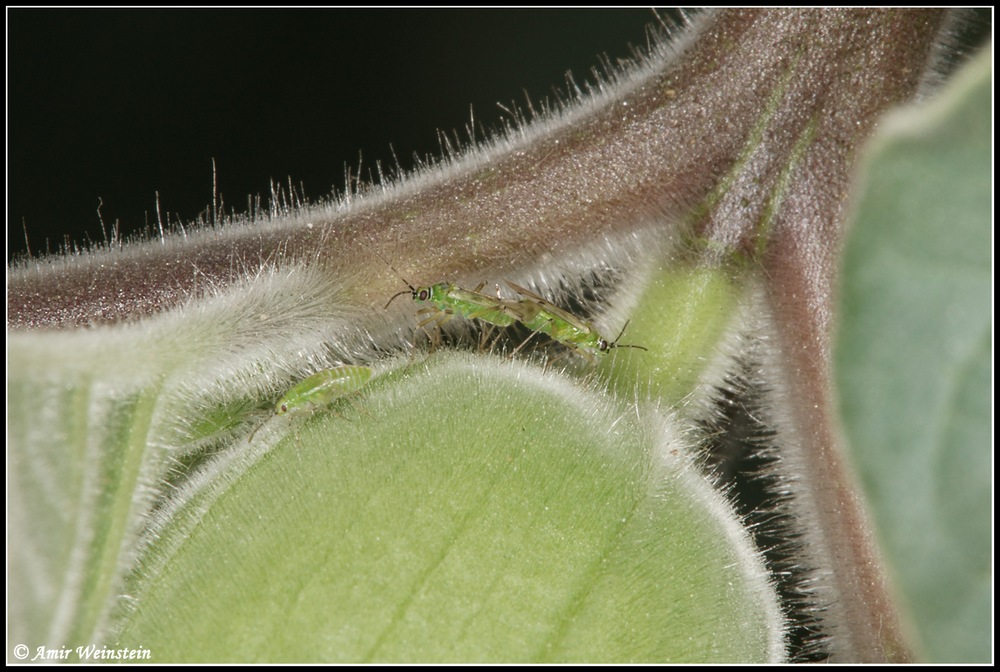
321,389
542,316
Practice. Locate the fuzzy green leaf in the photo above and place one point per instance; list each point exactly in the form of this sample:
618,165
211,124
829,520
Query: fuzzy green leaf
468,510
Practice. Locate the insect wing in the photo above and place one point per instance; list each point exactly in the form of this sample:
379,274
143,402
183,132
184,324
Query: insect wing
560,324
474,305
554,310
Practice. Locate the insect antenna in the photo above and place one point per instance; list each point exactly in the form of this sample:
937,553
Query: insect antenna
614,343
412,291
256,429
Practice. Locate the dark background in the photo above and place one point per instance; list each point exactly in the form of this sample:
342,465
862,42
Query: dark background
120,104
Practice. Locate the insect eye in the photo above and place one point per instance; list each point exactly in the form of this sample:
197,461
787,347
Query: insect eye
423,294
284,408
603,345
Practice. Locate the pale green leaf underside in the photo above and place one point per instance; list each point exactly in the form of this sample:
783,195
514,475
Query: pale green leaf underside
914,360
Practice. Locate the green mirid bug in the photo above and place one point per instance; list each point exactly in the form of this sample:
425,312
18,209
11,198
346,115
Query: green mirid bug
542,316
531,310
319,390
448,300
